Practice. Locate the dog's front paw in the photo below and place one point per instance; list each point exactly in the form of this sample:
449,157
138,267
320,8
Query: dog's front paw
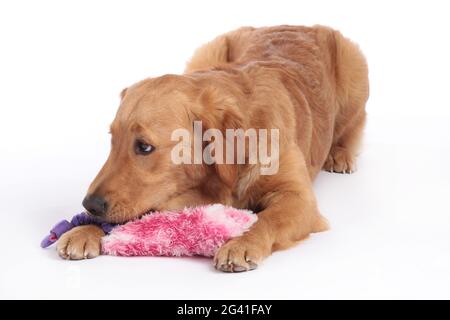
82,242
238,255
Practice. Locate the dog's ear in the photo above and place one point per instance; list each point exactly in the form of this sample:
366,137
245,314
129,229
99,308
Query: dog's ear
221,112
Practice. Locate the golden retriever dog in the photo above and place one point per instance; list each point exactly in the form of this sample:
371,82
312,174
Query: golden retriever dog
310,83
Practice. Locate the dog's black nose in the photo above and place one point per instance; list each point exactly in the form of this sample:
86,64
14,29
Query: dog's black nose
96,205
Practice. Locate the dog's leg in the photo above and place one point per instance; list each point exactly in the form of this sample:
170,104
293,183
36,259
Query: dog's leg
290,215
352,92
82,242
343,152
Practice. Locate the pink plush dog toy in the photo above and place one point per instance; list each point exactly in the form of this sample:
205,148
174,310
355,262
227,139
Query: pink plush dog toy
191,231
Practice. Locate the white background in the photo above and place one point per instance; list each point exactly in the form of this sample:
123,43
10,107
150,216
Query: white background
62,66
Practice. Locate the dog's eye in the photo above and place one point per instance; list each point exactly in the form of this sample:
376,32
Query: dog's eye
142,148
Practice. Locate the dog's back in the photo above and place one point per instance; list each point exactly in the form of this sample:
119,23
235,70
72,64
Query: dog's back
320,66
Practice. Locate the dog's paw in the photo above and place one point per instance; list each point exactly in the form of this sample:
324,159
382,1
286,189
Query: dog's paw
238,255
82,242
340,160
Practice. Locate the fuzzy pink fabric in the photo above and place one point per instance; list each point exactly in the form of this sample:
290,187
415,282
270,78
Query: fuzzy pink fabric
191,231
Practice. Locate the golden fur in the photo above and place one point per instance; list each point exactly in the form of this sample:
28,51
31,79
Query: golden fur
310,83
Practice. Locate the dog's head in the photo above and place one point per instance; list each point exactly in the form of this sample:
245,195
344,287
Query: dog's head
140,175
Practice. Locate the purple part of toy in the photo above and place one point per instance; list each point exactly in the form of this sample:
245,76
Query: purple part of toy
61,228
57,231
84,218
46,242
78,220
107,227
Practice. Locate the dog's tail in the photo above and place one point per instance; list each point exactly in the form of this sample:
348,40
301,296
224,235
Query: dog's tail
211,54
222,50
